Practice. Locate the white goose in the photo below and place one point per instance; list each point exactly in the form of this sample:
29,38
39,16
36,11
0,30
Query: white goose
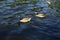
41,15
25,20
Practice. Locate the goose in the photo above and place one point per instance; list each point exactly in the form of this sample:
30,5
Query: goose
41,15
25,20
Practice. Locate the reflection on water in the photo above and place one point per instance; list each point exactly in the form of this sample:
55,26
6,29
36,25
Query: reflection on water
11,11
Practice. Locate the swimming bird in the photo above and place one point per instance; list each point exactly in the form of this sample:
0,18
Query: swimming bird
49,2
25,20
41,15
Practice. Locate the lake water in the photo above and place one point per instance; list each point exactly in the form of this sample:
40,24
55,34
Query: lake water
11,11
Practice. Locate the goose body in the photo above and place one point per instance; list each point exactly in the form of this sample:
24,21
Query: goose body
24,20
40,15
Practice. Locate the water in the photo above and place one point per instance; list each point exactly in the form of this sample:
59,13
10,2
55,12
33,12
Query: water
11,11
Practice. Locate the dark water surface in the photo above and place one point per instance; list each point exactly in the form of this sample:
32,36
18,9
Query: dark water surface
11,11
